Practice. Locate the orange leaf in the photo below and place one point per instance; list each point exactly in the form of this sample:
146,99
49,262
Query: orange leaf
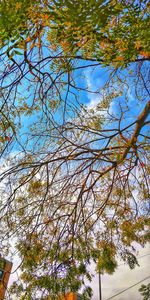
46,17
28,39
145,54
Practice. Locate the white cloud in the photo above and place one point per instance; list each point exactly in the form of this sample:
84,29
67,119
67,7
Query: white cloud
95,82
93,85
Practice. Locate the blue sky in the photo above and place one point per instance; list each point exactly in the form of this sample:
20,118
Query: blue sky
92,77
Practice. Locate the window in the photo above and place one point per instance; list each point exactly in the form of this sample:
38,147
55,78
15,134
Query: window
2,267
1,274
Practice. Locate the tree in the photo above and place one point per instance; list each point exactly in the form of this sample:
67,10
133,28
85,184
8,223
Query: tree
109,32
77,178
145,291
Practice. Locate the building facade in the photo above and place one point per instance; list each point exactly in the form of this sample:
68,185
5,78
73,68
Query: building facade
5,269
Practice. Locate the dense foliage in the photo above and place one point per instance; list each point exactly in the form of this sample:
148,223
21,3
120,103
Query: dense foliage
145,291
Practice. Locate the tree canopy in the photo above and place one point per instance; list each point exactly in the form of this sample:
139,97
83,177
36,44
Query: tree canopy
145,291
74,140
